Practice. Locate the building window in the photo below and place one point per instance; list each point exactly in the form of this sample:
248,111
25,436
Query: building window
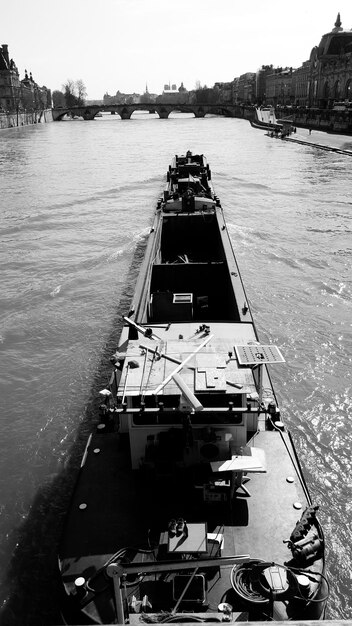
337,90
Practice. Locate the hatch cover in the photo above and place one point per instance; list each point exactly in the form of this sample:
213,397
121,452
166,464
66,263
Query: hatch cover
255,354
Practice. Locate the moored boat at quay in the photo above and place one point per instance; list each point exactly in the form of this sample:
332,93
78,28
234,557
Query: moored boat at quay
265,119
190,504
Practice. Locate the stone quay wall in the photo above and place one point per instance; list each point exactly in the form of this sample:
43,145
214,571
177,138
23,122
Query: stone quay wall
327,120
13,119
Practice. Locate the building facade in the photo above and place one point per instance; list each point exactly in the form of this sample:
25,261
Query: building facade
260,83
225,92
321,81
279,87
10,85
19,95
246,88
330,77
121,98
300,85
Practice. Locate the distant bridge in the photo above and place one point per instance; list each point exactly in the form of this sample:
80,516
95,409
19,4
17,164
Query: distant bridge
162,109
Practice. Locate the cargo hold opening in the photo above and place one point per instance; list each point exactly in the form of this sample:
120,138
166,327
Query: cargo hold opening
191,239
192,282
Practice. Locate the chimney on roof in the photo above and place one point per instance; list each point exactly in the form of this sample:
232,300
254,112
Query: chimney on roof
5,52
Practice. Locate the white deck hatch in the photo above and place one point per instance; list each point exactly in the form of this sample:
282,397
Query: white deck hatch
257,354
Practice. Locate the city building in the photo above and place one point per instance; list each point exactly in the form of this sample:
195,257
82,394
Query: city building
121,98
172,95
278,90
10,85
147,97
246,88
260,83
330,77
225,92
300,85
235,84
16,94
321,81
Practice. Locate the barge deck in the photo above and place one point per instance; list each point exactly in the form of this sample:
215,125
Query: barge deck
190,503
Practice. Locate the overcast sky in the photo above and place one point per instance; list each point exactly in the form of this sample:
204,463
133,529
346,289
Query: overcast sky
123,44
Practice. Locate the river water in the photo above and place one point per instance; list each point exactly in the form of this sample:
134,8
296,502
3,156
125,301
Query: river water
76,202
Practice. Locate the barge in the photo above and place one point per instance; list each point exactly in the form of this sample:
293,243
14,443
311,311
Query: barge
190,503
265,119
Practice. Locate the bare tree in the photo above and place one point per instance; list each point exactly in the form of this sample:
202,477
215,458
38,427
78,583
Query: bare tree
69,91
81,91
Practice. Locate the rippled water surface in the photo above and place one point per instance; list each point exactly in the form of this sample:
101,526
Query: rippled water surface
76,201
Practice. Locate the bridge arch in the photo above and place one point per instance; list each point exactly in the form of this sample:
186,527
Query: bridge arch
176,109
59,114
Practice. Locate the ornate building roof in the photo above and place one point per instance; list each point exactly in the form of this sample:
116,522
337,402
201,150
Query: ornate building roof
337,42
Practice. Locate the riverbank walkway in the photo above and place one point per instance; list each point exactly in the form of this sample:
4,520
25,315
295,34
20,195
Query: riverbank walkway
341,144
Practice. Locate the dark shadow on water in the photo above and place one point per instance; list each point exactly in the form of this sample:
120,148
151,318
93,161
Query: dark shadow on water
33,577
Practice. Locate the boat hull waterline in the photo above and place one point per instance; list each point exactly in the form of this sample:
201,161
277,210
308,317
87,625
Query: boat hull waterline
190,502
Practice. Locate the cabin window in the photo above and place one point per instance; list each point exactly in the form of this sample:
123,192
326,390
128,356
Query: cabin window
174,418
182,298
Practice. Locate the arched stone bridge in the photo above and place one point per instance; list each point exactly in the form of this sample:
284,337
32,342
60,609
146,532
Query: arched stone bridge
163,110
